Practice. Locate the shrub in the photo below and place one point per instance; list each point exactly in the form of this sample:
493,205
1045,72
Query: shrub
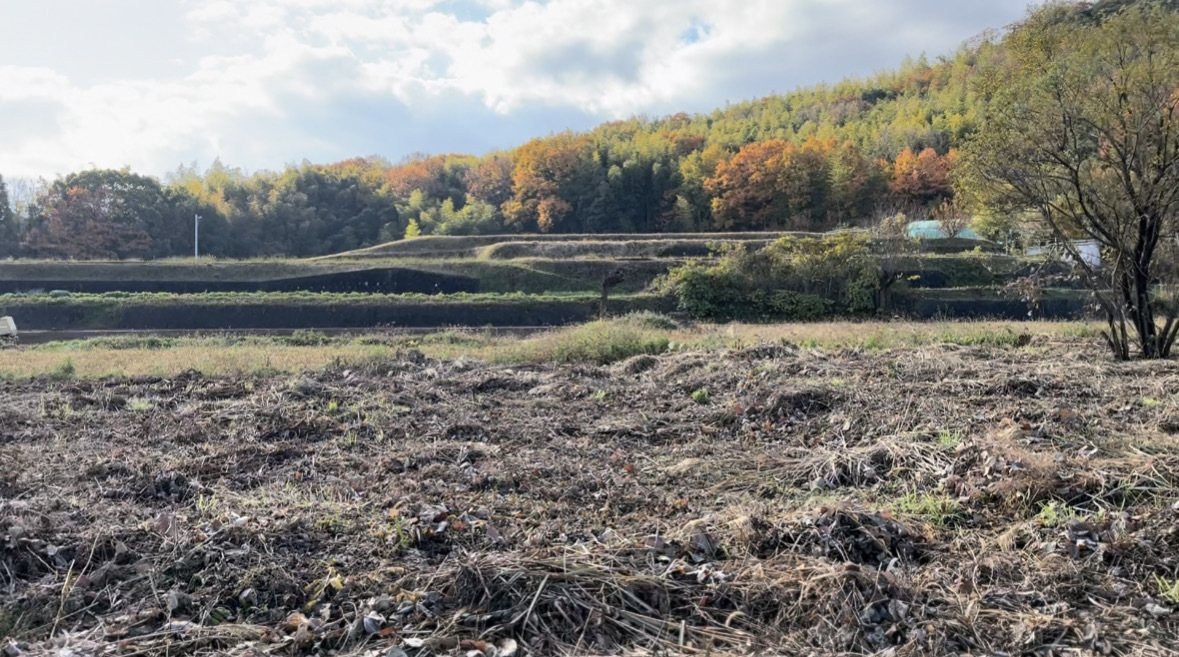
791,305
795,278
709,292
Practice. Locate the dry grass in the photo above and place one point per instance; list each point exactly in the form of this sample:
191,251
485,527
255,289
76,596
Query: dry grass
597,342
885,335
212,360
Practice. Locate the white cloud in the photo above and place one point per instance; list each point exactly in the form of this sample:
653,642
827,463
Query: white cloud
275,79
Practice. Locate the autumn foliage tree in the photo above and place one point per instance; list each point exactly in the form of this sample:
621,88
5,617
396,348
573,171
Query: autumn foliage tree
89,223
437,176
747,190
544,183
923,177
490,181
782,185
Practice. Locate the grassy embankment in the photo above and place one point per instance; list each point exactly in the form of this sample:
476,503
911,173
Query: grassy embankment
527,275
533,264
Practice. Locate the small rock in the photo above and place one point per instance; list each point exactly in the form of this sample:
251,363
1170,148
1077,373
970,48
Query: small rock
1157,611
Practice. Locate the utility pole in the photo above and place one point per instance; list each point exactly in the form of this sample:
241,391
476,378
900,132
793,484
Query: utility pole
196,236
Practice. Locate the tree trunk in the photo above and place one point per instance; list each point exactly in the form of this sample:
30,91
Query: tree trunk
1144,315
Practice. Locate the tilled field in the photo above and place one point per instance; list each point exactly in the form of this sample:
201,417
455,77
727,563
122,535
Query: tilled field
933,501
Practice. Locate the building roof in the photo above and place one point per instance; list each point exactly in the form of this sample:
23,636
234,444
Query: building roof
932,230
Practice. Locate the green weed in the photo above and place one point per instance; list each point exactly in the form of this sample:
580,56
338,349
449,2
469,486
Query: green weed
1168,589
207,504
65,371
937,510
1055,514
139,405
949,439
874,342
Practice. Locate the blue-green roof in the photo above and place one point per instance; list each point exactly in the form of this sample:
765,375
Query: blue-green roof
932,230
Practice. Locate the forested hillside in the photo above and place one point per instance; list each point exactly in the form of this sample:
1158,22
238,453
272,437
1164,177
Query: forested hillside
812,159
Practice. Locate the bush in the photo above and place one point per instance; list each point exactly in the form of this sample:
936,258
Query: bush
709,292
791,305
793,278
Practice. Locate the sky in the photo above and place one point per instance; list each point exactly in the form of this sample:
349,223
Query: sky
154,84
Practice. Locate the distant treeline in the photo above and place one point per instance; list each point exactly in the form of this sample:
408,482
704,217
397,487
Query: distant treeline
813,159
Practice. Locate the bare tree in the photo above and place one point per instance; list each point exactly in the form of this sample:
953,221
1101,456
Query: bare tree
893,247
952,218
1083,128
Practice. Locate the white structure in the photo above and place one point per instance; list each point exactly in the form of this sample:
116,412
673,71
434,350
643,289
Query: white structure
7,327
1089,250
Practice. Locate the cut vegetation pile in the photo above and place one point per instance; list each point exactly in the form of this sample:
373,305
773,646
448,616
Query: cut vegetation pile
923,501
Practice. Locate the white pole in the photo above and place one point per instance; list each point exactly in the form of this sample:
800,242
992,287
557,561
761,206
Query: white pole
196,236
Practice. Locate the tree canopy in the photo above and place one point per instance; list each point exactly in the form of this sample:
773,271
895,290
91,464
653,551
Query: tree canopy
1083,128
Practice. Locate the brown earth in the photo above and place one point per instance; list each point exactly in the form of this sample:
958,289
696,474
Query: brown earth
933,501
